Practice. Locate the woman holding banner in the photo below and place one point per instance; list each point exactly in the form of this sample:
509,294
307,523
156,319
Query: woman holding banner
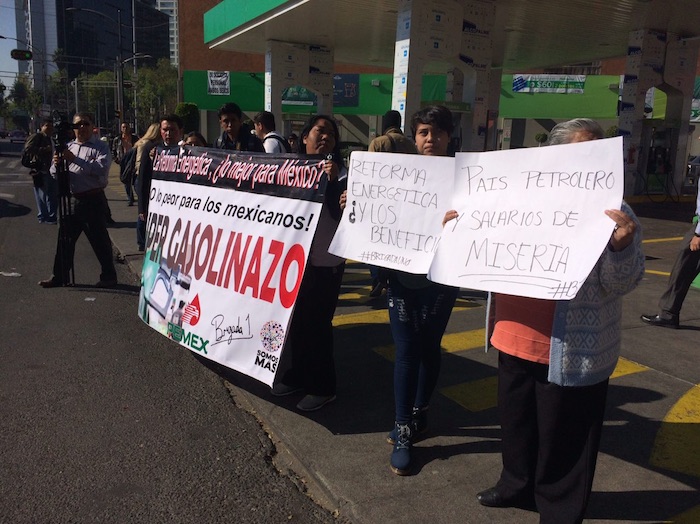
554,362
418,314
307,362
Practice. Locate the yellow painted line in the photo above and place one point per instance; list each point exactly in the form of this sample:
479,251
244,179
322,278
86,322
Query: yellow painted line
627,367
381,316
478,395
463,340
352,296
656,240
662,273
355,277
677,443
692,516
386,351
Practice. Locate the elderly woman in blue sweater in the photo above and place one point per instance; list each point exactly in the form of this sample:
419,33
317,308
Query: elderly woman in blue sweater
554,362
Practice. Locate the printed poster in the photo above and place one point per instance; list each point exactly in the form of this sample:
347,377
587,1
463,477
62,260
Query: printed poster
227,240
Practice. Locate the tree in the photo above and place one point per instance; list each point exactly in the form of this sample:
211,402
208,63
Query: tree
190,115
540,138
26,102
156,93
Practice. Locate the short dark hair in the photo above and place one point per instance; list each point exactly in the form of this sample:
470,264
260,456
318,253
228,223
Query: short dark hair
230,108
265,118
391,118
46,120
199,136
173,119
82,115
438,116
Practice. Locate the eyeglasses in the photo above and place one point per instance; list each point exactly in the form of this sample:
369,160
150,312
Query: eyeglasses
82,124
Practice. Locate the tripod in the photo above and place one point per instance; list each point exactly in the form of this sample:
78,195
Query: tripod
65,211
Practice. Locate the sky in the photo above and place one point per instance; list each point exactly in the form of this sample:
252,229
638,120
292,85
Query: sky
8,66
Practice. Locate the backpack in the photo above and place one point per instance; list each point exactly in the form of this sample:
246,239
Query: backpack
285,144
29,157
127,171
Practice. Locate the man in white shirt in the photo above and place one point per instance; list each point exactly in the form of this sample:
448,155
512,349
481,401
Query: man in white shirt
87,162
272,141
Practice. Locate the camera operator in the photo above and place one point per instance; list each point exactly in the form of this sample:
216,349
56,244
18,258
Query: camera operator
87,161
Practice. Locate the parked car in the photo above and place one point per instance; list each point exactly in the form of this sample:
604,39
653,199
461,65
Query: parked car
18,136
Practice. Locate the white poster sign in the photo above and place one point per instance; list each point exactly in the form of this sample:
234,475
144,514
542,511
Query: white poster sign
227,241
218,83
395,206
531,221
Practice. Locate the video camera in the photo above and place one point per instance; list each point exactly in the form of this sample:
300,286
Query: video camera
62,131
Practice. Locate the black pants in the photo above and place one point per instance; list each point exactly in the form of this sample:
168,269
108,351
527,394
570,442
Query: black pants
307,359
89,217
550,439
685,269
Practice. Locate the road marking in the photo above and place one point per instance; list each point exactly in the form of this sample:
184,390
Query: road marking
661,273
656,240
627,367
477,395
677,444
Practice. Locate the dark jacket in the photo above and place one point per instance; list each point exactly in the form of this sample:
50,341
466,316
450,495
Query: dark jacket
246,141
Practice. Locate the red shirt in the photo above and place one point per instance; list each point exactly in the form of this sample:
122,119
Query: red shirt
523,327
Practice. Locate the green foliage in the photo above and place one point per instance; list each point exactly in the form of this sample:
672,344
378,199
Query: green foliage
611,132
190,115
156,92
541,138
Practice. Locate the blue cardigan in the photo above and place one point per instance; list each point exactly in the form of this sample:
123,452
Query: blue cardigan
585,343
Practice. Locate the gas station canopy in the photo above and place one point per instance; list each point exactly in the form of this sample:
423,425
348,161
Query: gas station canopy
527,33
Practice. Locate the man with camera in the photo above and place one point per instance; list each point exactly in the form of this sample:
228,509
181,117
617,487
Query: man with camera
39,150
84,165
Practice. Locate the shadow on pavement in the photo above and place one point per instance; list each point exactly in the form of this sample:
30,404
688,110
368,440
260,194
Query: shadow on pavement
10,209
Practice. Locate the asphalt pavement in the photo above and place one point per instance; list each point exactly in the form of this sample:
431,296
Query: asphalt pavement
649,464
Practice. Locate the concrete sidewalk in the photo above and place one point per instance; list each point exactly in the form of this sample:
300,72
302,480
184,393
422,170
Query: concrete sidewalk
649,465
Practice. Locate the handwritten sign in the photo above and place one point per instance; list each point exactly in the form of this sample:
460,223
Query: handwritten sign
228,237
395,206
531,221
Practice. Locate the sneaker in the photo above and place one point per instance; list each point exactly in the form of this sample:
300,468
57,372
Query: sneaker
107,283
401,455
282,390
314,402
419,425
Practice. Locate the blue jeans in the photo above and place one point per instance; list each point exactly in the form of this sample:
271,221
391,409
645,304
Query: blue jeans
46,196
418,319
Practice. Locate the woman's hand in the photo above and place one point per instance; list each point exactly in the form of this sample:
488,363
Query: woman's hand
331,169
343,199
624,229
450,215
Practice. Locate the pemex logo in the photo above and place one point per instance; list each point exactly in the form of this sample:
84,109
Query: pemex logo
192,312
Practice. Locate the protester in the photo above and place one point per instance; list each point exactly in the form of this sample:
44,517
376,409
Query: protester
418,313
554,362
193,138
40,148
272,141
293,141
171,134
685,270
307,362
144,146
88,162
235,134
392,140
121,145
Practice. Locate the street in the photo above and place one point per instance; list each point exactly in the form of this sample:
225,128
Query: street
104,420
